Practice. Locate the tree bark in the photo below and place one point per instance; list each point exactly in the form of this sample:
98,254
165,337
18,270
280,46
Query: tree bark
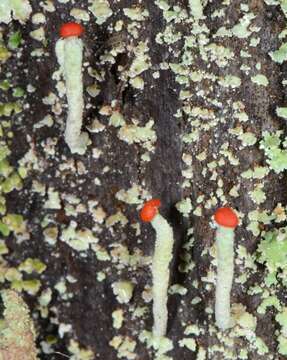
177,169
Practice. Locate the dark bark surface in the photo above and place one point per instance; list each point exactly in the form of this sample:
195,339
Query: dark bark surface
90,302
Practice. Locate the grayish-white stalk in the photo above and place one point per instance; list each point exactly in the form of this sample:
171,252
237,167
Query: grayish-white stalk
70,56
225,269
160,273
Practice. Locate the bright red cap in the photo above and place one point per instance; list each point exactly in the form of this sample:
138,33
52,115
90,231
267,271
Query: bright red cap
71,29
226,217
149,210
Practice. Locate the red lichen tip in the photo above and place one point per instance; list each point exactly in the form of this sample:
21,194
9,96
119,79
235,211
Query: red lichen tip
149,210
71,29
226,217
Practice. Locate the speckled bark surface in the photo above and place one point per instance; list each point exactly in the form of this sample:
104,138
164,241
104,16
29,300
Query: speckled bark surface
92,302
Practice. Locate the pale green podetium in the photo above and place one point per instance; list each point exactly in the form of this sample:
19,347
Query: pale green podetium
160,264
69,52
226,221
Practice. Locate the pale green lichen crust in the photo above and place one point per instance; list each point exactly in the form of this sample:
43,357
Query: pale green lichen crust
17,336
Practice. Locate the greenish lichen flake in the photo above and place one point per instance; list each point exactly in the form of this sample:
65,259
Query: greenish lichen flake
279,55
130,196
32,265
259,172
261,346
141,61
260,79
123,291
272,250
18,9
184,206
15,223
79,240
137,82
276,156
117,119
258,195
248,138
14,40
3,248
136,13
281,318
162,345
188,343
5,85
4,53
231,81
241,30
138,134
79,353
30,286
282,112
282,345
8,109
101,10
4,229
196,9
118,318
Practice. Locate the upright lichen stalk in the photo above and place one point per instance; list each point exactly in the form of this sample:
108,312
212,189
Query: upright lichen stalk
226,221
69,52
160,264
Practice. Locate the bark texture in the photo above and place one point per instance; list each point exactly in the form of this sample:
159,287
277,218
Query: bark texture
90,302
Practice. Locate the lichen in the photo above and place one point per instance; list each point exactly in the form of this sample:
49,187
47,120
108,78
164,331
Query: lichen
282,112
17,337
162,344
101,10
260,79
138,134
275,151
79,353
123,290
16,9
272,250
32,265
230,81
130,196
279,55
